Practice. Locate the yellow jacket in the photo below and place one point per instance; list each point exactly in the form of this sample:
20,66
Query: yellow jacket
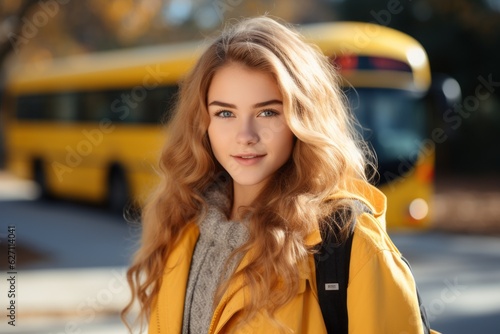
381,295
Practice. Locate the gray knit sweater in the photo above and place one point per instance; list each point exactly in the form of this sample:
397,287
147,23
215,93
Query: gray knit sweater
218,238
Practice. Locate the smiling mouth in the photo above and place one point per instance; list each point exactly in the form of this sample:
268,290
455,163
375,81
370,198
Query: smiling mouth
248,159
248,156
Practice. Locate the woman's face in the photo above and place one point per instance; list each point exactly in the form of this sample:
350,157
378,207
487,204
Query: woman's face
247,131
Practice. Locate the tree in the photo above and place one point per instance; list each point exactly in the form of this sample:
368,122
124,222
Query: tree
13,21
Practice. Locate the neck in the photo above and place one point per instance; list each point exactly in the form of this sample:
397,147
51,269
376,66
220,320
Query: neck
243,196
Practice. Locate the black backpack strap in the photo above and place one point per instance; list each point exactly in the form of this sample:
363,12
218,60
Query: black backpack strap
332,273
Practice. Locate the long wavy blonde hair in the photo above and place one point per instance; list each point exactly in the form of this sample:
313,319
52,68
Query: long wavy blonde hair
327,154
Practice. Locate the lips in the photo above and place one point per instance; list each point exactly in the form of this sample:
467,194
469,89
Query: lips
248,159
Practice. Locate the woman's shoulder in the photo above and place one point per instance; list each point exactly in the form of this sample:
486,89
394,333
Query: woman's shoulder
370,231
369,204
371,242
363,192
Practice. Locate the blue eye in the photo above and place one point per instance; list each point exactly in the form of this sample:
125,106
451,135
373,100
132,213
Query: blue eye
268,113
224,114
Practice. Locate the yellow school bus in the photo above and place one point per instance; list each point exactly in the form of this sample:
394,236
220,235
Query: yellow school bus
88,127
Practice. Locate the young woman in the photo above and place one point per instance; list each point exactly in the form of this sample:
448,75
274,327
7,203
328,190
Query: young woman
262,152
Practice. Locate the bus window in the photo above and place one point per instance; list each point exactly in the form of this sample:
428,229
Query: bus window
30,107
393,123
94,106
62,107
151,107
158,104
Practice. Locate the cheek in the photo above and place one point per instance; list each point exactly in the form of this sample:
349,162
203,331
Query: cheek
283,143
216,137
284,134
275,132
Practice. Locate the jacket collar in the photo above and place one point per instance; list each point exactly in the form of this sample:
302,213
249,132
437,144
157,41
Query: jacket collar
171,295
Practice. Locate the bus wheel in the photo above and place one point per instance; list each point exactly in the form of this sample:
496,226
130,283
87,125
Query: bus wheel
118,191
40,178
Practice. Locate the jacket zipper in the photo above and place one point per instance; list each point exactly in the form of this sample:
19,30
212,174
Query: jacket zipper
218,311
158,319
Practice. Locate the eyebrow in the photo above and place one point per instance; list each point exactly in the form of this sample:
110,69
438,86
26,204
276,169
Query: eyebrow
257,105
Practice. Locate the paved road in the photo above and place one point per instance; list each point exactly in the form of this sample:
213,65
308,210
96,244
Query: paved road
71,262
458,277
68,235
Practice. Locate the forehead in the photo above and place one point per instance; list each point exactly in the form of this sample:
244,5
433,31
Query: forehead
236,82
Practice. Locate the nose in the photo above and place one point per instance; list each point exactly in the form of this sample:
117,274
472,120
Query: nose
247,133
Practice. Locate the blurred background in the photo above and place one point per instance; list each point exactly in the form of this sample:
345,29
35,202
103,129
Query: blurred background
67,92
